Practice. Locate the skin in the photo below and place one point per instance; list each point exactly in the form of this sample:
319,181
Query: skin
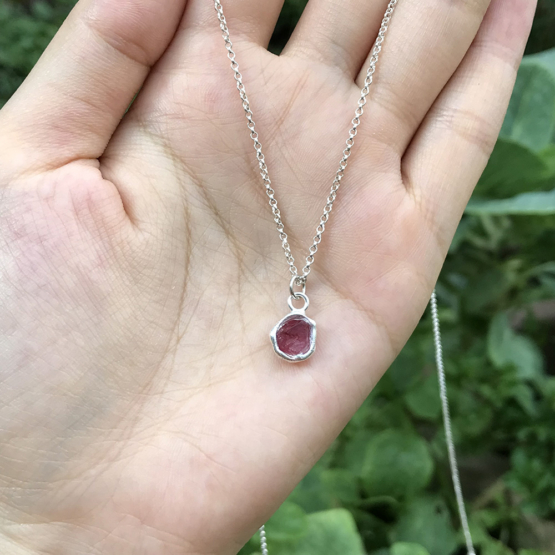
142,409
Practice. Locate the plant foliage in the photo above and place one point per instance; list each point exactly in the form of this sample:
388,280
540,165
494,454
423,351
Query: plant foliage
384,487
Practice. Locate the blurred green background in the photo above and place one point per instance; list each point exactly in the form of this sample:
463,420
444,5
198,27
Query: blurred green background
384,487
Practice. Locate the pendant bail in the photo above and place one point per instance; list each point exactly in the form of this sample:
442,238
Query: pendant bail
299,281
296,297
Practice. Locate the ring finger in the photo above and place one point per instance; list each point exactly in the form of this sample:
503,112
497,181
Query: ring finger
426,42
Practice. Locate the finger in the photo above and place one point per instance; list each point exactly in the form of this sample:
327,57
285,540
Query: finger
250,20
74,98
337,33
425,43
451,149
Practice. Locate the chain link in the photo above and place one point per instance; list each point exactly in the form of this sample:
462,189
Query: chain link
301,279
263,541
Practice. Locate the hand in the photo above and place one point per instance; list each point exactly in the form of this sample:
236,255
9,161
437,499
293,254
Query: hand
143,409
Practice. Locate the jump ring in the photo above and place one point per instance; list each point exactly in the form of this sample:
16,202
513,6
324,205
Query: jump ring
295,281
297,297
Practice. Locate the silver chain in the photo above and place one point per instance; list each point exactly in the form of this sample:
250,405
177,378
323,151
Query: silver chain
263,543
447,425
301,279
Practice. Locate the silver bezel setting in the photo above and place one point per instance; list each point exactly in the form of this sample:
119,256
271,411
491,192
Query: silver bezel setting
299,357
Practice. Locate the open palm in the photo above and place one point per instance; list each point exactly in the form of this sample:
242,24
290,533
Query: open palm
142,407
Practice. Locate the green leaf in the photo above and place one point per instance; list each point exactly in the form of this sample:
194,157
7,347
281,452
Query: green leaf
373,530
478,530
495,547
547,156
42,10
505,347
526,204
309,494
499,337
288,523
485,289
527,357
530,119
332,532
472,418
249,549
524,396
341,485
354,451
546,59
405,370
426,522
384,506
406,548
397,463
513,169
423,400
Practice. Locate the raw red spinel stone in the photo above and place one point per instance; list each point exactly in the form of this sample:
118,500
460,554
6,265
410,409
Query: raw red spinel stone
294,335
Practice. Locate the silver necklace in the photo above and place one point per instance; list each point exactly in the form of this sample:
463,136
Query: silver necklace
294,336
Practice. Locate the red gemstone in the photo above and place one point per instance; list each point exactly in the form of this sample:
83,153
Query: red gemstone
294,335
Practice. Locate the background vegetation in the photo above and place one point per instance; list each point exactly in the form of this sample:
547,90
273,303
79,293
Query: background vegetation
384,488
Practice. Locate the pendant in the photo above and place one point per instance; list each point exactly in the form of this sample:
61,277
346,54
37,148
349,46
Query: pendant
294,336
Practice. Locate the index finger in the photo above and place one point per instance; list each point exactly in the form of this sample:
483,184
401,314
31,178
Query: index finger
74,98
